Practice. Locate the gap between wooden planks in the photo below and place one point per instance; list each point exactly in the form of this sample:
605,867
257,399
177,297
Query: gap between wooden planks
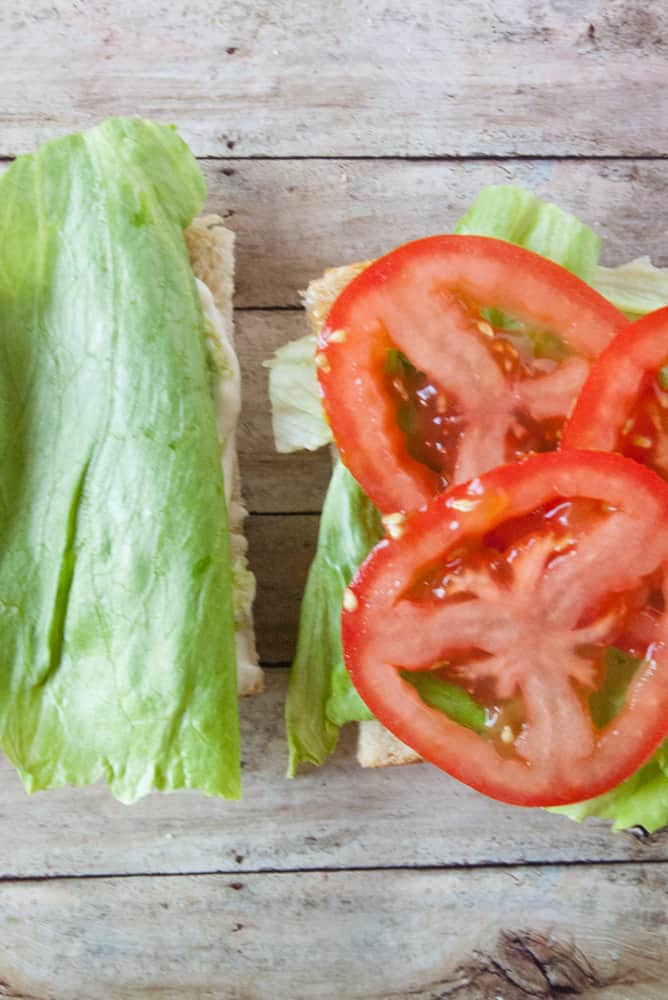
473,935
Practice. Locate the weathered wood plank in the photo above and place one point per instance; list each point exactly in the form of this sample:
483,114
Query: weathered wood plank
280,551
295,218
294,78
338,816
595,932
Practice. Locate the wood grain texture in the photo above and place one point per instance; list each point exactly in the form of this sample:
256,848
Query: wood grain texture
338,816
294,78
277,911
295,218
478,935
281,548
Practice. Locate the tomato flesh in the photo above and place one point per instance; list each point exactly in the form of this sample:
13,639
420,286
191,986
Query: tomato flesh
623,405
514,587
429,419
467,396
644,435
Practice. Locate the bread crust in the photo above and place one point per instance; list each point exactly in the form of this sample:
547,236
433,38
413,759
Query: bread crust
211,250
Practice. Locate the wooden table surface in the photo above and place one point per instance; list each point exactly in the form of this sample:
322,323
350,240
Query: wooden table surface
330,132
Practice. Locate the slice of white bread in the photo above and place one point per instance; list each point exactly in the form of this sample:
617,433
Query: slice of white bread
376,746
211,250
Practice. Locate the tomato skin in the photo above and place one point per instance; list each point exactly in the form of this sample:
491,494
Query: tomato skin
640,498
612,390
414,298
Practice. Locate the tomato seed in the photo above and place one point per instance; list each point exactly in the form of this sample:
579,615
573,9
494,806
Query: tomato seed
321,362
350,602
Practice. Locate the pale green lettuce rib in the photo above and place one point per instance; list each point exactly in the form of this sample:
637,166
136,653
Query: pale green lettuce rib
116,620
297,416
635,288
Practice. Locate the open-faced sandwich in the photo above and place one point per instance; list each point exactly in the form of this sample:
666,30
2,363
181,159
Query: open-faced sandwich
485,593
125,599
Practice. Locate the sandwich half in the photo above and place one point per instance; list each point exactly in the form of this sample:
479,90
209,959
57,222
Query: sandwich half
321,697
125,598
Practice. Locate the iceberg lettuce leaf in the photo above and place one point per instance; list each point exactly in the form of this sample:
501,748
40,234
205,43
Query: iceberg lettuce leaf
116,620
511,213
635,288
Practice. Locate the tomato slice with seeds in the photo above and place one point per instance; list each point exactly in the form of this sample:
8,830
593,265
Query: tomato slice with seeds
513,589
421,385
624,403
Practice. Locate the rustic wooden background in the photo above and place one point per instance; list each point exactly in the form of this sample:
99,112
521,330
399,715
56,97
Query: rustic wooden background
330,131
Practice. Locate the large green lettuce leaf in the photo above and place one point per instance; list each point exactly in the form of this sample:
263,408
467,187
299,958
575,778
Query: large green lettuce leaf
636,288
116,620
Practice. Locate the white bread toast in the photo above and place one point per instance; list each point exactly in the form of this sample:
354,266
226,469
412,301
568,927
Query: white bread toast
211,250
376,746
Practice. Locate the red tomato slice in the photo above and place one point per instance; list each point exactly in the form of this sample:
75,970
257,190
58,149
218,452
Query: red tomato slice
624,406
513,587
407,343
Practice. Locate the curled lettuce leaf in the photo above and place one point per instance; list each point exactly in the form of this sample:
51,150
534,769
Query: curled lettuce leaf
518,216
297,415
116,621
